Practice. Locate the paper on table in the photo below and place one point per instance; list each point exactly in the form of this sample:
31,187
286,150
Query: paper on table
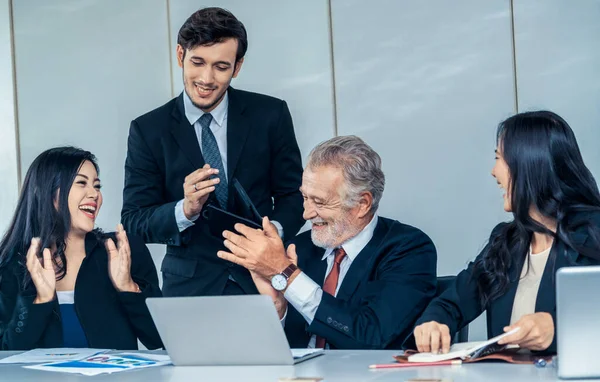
106,363
299,353
52,355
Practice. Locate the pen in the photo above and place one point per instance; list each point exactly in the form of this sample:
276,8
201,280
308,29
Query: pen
411,364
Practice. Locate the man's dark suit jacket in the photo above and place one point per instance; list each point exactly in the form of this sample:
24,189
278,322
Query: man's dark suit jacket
386,288
262,154
460,304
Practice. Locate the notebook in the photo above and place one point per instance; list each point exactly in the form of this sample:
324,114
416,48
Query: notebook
473,352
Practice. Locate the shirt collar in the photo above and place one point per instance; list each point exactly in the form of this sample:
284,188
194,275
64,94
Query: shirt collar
193,113
357,243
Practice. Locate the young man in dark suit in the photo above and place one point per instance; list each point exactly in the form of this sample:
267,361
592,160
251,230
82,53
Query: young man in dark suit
356,280
185,154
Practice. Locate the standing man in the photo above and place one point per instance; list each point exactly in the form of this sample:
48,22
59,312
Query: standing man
184,155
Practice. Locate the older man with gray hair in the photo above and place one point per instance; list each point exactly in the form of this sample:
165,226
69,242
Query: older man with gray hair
356,280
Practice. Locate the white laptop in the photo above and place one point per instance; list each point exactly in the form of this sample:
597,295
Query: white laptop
224,330
578,321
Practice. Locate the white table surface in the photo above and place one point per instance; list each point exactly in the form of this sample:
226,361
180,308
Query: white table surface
334,366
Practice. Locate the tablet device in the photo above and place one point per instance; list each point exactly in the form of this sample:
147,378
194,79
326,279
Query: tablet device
244,212
219,220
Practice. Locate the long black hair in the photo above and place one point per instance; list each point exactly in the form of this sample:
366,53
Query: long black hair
547,173
43,210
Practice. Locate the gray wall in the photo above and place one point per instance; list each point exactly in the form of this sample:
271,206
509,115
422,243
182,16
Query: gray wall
9,180
425,83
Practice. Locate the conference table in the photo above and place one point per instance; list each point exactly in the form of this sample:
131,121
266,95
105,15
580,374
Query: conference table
334,366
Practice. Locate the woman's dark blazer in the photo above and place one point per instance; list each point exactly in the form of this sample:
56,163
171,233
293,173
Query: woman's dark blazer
110,319
460,303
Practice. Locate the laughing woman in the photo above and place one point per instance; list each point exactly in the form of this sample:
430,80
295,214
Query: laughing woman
62,282
555,205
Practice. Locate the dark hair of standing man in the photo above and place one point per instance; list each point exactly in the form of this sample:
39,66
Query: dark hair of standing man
209,26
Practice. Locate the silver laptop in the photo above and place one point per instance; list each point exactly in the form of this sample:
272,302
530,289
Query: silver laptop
578,318
223,330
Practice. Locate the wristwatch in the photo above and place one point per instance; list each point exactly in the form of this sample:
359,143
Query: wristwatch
280,281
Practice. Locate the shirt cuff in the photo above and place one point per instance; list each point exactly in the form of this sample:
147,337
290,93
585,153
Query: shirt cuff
305,295
279,228
183,222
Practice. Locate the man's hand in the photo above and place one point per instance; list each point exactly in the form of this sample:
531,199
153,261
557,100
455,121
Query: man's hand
259,251
196,188
536,332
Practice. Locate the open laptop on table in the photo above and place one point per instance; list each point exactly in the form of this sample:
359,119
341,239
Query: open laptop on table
224,330
578,321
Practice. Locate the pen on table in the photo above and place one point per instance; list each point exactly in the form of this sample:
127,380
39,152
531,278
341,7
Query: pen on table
411,364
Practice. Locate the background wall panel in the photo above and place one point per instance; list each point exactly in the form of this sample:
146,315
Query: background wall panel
85,69
426,83
558,65
9,182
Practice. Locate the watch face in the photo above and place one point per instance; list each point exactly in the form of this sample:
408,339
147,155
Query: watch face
279,282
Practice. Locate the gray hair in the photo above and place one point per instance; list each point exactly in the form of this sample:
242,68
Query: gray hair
360,165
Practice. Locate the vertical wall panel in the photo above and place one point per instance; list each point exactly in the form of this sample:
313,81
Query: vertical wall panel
85,69
8,144
426,83
558,65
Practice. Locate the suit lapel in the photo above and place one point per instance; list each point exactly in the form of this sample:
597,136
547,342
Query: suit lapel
237,130
361,265
559,257
185,135
315,267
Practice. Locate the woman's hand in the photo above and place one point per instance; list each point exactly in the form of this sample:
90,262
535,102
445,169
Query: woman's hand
432,337
536,332
119,262
42,275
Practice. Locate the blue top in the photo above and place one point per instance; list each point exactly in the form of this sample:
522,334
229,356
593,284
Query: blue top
73,335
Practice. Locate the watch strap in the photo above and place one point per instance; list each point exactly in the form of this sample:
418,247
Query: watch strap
287,272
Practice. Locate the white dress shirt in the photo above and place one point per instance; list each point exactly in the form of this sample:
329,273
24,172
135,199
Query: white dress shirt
218,126
305,295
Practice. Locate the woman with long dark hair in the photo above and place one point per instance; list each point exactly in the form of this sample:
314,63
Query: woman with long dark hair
555,205
64,283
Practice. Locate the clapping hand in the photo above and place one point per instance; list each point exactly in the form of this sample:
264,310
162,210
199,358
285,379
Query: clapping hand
119,262
42,275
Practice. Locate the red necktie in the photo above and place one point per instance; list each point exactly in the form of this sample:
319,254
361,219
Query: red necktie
330,285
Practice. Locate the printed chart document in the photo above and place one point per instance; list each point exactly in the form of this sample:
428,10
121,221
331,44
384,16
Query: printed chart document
106,363
52,355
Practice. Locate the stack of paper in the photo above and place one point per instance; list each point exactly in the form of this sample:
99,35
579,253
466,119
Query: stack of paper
52,355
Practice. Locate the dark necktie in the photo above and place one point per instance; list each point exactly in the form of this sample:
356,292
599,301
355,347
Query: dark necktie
212,156
330,285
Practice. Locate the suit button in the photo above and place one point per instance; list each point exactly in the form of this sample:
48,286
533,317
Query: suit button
23,310
20,324
345,328
21,316
329,320
18,330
